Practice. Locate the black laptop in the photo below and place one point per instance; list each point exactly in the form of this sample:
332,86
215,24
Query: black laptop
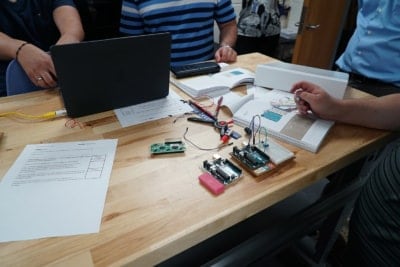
101,75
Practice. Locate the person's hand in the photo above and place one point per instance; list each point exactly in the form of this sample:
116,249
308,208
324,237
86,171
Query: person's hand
38,65
225,54
311,97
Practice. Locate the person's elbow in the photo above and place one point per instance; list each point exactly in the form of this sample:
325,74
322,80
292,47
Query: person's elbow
69,24
79,33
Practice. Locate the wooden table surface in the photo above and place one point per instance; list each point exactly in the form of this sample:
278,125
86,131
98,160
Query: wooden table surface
155,207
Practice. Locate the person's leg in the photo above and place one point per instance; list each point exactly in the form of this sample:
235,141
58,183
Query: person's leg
268,45
3,67
246,45
373,87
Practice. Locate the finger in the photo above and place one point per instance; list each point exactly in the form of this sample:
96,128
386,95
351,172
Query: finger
49,80
217,56
228,54
221,53
42,80
38,81
296,86
305,86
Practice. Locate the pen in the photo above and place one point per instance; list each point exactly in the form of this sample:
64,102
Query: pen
194,104
218,106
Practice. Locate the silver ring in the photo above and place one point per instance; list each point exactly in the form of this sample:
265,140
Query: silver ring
39,78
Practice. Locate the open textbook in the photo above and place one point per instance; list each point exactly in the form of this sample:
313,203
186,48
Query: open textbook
282,76
276,111
214,84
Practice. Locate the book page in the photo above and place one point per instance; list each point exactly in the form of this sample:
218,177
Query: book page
234,101
214,84
277,112
234,77
203,82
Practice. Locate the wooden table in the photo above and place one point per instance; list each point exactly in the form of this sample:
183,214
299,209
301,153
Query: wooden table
155,207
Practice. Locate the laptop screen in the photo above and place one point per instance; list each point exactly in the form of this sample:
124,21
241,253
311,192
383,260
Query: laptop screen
101,75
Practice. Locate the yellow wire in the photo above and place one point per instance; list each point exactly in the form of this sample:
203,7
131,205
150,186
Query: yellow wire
46,116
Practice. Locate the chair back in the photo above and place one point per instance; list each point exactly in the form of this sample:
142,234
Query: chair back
17,82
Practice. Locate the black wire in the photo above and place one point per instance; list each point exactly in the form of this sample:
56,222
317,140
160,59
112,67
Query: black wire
252,126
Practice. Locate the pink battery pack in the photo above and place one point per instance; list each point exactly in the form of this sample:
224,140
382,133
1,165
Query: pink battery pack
212,184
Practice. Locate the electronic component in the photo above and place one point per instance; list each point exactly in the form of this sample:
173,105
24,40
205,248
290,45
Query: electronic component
248,130
193,69
222,169
277,153
169,146
253,159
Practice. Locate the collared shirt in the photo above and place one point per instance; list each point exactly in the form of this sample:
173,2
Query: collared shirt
190,22
374,49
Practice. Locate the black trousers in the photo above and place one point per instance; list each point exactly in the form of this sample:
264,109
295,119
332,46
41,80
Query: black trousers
371,86
265,45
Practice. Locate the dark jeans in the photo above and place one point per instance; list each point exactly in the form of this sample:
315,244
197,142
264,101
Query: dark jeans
3,67
265,45
371,86
3,91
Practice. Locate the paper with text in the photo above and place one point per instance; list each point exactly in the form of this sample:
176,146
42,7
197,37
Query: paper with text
172,105
56,189
276,111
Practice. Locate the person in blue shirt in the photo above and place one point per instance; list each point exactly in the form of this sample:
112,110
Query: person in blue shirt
27,30
191,24
372,53
374,231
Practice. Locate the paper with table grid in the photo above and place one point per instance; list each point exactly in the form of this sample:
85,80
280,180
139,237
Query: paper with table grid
56,189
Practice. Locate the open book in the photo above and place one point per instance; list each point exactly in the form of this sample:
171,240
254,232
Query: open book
276,111
214,84
282,76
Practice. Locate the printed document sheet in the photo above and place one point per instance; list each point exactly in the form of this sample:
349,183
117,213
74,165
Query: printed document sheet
56,189
171,105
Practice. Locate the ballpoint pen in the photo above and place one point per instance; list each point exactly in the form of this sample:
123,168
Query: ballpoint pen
218,106
201,109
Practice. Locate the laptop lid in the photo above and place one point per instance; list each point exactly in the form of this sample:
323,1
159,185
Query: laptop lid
101,75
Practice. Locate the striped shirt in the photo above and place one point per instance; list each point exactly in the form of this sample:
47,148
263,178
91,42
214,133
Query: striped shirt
375,223
190,22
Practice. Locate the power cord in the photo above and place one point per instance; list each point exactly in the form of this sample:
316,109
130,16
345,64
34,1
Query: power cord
45,116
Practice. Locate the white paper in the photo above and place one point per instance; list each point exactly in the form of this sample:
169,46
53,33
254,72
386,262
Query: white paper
56,189
234,101
171,105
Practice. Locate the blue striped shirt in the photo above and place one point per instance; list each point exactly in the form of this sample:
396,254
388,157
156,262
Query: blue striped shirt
374,49
191,24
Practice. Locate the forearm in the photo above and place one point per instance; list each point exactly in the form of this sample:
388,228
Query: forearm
69,24
8,46
381,113
228,34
